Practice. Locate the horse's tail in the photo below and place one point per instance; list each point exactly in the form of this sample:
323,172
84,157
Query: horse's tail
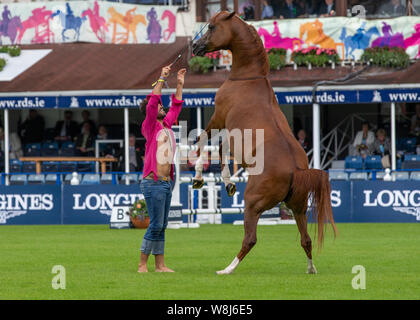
314,184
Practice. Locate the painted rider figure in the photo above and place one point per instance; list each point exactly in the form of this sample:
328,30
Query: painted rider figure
128,18
7,16
69,16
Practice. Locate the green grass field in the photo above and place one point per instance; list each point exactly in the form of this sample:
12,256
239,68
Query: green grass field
101,263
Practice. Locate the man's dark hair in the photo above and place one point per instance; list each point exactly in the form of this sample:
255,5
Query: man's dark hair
365,123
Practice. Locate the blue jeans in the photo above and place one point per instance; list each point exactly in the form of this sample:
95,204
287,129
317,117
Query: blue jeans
158,195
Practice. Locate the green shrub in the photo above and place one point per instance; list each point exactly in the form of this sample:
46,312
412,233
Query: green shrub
200,64
387,57
317,57
276,61
2,64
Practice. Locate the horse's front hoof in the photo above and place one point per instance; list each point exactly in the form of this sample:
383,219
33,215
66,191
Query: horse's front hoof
231,189
198,183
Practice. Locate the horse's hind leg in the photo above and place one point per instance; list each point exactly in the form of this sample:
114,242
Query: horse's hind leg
305,239
224,164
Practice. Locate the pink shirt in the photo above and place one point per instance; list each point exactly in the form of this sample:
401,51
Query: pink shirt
151,129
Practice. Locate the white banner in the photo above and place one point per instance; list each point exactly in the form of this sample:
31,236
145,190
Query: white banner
87,21
349,36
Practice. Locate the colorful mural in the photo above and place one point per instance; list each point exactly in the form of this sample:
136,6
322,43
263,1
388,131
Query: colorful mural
87,21
348,36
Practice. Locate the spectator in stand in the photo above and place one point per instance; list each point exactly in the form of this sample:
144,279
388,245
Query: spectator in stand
104,148
247,10
85,116
136,156
67,129
267,12
304,142
394,8
32,129
415,122
15,147
327,8
381,146
290,10
85,142
363,140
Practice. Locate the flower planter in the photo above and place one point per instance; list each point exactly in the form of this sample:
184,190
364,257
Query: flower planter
140,223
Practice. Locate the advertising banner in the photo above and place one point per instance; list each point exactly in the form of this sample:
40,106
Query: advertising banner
30,205
86,21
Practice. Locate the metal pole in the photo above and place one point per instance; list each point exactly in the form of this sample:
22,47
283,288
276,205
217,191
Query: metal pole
316,135
6,146
126,143
393,139
199,126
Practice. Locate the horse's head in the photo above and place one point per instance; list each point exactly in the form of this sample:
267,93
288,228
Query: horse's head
218,36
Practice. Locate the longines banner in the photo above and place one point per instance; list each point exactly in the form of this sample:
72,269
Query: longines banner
357,201
87,21
348,36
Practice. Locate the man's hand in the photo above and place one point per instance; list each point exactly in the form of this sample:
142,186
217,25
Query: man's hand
180,76
165,72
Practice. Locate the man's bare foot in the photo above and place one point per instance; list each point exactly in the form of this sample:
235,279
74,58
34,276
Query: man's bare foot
142,269
164,269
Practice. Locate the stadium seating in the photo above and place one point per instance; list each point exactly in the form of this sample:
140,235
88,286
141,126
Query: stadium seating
408,144
401,175
36,179
338,164
18,179
68,166
373,162
354,162
90,178
50,166
15,165
32,150
67,149
49,149
51,179
132,177
358,176
106,178
379,175
28,166
338,175
86,166
415,175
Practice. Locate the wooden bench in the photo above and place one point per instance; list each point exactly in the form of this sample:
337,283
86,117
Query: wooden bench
38,161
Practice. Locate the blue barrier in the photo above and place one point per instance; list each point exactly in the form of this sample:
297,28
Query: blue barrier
352,201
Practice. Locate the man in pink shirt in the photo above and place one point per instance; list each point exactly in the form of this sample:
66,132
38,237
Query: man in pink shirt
158,171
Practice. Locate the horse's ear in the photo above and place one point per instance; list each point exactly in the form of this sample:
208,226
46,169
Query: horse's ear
230,15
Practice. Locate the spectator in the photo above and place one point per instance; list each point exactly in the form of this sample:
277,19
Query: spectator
290,10
247,10
363,140
66,129
15,146
85,116
304,142
394,8
267,12
415,122
327,8
104,148
85,142
136,156
381,146
32,129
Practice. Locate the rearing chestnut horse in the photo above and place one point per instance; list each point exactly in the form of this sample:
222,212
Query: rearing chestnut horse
246,100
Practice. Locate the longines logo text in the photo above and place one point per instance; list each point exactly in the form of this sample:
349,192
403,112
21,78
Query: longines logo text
103,202
13,205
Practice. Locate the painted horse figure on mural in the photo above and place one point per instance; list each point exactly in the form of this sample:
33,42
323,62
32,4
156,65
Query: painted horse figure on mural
171,24
128,22
359,41
414,40
246,101
275,40
9,25
40,21
315,36
389,39
97,23
69,22
154,30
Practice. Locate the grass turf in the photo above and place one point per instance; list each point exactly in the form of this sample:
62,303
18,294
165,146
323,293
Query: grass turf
101,263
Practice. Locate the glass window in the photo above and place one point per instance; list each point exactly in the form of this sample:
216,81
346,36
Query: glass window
380,8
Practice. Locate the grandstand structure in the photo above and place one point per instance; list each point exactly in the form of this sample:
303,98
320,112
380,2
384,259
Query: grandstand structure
110,80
